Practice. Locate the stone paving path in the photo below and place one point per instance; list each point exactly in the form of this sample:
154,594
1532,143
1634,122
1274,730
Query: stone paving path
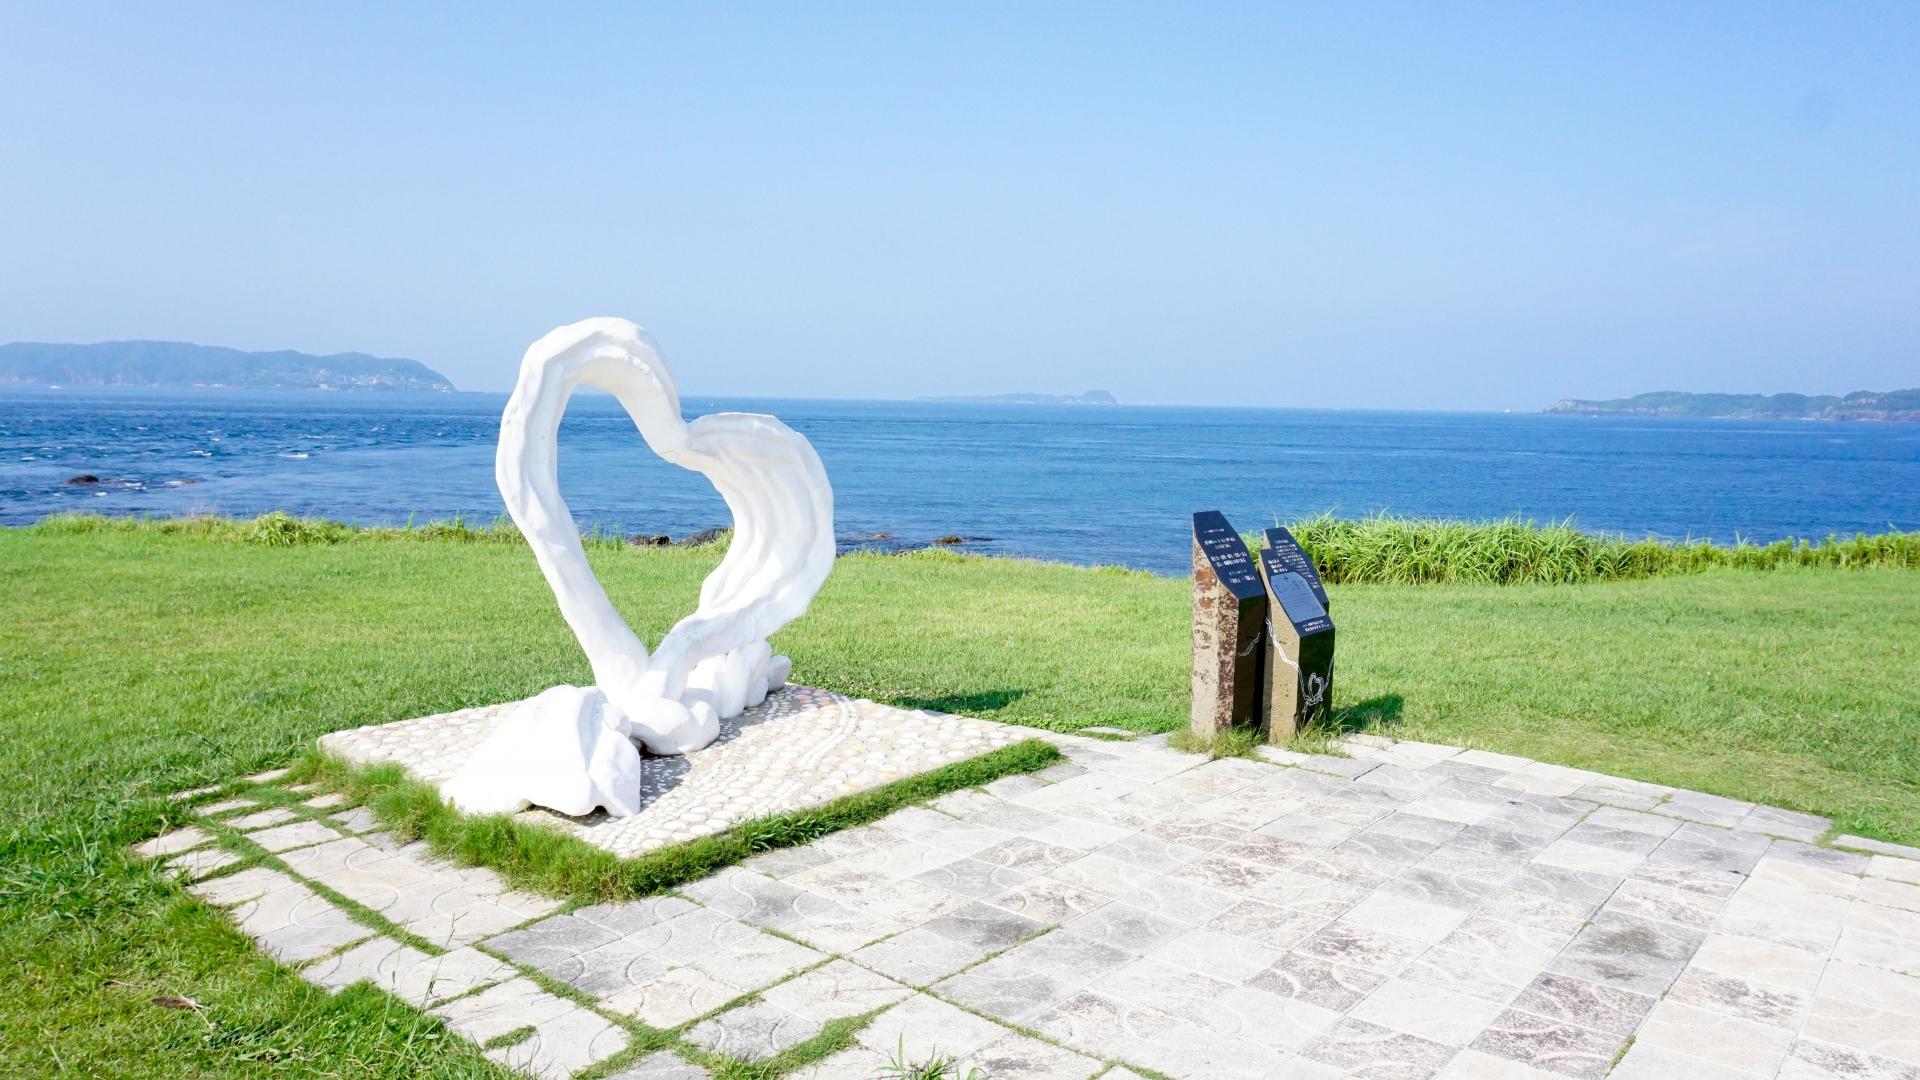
1410,911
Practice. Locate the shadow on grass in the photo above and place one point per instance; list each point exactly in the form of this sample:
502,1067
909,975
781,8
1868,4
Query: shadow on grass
966,704
1379,711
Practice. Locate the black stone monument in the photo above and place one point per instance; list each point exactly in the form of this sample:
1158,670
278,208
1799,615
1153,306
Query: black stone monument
1298,688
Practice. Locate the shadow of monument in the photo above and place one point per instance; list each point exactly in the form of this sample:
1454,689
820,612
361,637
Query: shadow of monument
974,704
1380,710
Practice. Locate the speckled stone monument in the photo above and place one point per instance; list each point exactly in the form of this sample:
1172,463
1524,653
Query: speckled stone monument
1229,610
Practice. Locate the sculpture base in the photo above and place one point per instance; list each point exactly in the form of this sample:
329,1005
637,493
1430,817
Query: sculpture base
801,747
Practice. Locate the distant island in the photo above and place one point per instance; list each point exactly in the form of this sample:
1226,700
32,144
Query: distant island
1900,406
176,363
1091,397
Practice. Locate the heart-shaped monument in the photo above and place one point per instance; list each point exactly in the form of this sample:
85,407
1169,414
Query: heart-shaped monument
571,748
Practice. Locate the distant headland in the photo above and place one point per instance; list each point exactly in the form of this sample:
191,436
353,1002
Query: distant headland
1899,406
176,363
1091,397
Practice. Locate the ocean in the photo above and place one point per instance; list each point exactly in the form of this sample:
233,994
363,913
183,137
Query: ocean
1079,483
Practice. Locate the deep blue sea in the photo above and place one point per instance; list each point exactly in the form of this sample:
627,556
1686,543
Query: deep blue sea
1105,484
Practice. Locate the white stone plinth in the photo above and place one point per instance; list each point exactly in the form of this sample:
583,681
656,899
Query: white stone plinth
802,747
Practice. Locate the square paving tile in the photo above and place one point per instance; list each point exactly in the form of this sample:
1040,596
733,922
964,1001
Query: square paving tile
566,1037
1191,1050
1007,988
1028,855
1149,853
757,899
1395,913
1761,961
973,878
172,843
985,927
408,973
672,998
1711,849
1124,927
1034,976
752,1032
1017,1057
245,885
1628,953
1101,1025
1588,1004
835,990
1703,808
297,834
1581,886
273,815
1364,947
1175,991
1047,901
1096,873
1181,900
1269,924
786,862
661,1065
1372,1050
1266,1019
1665,903
193,865
1506,939
1357,870
1200,833
1304,828
1437,1015
1556,1046
633,916
1223,956
844,930
1734,1043
751,963
926,1026
294,923
550,942
1337,987
1489,978
918,957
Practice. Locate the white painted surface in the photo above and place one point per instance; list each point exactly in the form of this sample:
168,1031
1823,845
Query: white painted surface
571,745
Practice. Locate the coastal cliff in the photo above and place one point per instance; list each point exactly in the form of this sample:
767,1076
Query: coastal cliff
1899,406
177,363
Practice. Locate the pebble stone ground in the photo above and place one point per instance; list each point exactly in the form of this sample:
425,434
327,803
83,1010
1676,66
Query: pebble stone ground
801,747
1410,911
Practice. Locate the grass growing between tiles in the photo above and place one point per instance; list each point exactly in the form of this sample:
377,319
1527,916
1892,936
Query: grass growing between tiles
136,662
558,864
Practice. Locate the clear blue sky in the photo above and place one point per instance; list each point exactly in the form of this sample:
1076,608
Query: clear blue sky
1410,206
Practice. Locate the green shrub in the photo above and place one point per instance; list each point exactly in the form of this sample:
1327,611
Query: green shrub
1389,550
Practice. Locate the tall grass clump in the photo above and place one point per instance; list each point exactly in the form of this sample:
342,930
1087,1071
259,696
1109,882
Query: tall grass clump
1384,549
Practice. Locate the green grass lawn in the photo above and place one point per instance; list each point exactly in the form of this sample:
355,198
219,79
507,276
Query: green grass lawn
134,664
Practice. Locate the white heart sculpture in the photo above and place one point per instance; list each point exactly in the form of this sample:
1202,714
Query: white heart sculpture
569,748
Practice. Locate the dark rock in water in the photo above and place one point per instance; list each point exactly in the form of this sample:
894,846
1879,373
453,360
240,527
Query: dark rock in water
704,537
660,540
949,539
879,536
85,478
